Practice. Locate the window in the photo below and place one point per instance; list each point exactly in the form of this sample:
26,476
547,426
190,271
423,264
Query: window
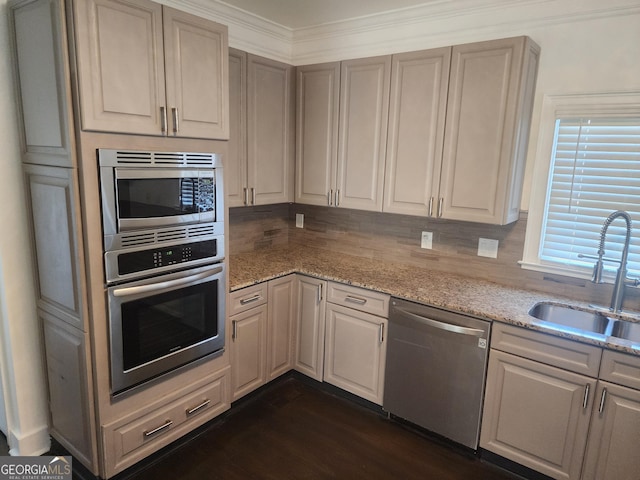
592,169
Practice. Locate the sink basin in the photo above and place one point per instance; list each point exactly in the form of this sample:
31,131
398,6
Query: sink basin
626,330
567,316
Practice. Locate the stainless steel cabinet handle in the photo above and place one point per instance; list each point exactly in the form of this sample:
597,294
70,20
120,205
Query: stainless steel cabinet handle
163,119
164,426
174,114
234,329
440,207
382,333
319,293
431,207
585,399
245,192
253,196
330,197
476,332
256,297
196,409
602,399
123,292
358,300
337,198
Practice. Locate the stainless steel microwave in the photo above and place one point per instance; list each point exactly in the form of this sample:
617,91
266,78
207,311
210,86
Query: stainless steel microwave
146,191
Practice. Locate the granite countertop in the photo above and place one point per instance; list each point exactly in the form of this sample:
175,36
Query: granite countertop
452,292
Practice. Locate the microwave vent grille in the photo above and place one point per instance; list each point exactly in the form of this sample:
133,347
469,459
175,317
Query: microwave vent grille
134,239
165,159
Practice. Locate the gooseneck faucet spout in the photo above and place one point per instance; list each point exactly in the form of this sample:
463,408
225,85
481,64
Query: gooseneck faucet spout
621,277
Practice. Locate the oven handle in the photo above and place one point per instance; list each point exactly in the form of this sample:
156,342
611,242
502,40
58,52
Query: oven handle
127,291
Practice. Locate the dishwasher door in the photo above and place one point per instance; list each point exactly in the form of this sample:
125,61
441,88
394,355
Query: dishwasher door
435,370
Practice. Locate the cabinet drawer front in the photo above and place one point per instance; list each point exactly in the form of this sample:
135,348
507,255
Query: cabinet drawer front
128,443
621,368
243,300
359,299
556,351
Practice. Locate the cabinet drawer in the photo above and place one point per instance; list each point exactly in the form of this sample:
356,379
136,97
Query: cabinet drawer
128,441
621,368
249,297
559,352
359,299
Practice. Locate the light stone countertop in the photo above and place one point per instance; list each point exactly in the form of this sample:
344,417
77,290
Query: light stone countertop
452,292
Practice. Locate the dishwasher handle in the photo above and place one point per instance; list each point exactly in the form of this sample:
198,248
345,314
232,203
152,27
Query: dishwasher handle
475,332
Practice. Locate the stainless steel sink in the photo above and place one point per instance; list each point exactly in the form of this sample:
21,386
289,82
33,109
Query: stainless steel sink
626,330
567,316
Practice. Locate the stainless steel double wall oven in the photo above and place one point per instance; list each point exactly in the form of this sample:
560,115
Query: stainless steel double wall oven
163,225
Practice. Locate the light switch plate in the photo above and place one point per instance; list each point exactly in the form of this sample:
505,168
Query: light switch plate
487,247
300,220
427,240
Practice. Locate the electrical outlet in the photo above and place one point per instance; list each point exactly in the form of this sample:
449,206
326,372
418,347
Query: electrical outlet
300,220
487,247
427,240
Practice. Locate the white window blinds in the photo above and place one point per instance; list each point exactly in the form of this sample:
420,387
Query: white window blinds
595,171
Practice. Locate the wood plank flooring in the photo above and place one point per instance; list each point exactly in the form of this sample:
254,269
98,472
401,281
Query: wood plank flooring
292,430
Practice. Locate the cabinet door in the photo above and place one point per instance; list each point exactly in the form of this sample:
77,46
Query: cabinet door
419,82
318,97
196,63
355,352
310,312
270,131
280,326
235,165
489,105
120,65
536,415
612,453
248,349
364,107
70,397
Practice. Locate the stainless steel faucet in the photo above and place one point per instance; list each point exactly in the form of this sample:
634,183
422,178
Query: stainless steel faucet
621,277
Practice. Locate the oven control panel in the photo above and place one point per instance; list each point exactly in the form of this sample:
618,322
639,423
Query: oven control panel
151,259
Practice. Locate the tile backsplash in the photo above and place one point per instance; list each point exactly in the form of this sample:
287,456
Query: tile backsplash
396,238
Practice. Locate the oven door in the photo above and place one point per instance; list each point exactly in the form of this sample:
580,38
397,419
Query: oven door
162,323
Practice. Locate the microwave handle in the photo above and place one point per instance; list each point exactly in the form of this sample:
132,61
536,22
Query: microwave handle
127,291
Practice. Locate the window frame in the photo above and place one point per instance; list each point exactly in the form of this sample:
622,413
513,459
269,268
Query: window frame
554,107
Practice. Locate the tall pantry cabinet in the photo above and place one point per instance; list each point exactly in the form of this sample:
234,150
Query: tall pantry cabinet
78,89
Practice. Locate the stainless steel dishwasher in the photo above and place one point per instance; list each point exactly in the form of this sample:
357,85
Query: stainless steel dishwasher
435,370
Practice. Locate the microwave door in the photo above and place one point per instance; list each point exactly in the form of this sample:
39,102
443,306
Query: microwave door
148,198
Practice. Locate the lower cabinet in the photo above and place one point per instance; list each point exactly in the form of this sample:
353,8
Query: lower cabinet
580,424
310,313
261,334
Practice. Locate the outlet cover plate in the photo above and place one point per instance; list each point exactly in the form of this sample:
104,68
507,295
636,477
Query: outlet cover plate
426,240
300,220
488,247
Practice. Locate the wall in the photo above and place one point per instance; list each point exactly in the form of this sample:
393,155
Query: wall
20,349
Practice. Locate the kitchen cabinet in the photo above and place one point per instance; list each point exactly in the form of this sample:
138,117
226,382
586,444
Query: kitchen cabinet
280,326
144,68
310,314
261,157
354,170
355,340
419,84
489,104
615,425
262,323
248,317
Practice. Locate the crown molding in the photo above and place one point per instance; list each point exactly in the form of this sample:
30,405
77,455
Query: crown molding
435,24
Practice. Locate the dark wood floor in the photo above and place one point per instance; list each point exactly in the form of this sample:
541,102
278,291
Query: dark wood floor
293,430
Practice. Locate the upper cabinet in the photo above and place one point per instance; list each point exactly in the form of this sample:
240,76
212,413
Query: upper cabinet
148,69
341,133
458,127
489,105
261,142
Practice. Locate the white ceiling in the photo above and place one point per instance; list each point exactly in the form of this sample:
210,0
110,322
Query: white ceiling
296,14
